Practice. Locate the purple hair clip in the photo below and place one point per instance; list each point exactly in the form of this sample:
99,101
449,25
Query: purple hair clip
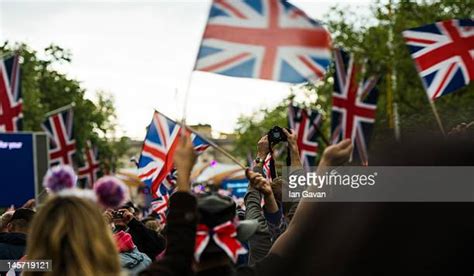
59,178
111,192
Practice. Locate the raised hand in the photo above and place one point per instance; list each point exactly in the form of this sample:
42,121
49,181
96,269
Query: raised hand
259,182
292,138
184,159
338,154
263,147
263,185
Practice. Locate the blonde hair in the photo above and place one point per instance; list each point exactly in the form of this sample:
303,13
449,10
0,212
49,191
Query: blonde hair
72,233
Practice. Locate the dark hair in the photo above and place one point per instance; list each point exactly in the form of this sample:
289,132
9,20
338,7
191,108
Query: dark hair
20,224
21,219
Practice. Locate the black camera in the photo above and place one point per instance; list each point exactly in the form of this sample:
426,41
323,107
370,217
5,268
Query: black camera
117,214
276,135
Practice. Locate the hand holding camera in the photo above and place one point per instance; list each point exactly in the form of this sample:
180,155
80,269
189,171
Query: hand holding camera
121,215
276,135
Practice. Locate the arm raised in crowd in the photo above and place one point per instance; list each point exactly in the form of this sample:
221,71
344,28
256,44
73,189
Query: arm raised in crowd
260,243
263,149
182,218
292,139
303,221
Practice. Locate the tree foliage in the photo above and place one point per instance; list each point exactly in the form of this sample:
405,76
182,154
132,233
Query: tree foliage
378,39
45,89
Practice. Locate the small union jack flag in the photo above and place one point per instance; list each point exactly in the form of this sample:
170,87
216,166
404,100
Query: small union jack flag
268,166
160,207
354,105
265,39
306,123
89,172
156,161
62,146
444,55
11,103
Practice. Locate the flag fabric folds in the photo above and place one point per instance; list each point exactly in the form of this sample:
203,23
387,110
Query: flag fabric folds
11,103
354,105
91,168
62,146
264,39
159,206
443,54
306,124
155,165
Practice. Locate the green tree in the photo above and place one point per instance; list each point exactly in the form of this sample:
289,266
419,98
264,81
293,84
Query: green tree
373,42
45,89
377,38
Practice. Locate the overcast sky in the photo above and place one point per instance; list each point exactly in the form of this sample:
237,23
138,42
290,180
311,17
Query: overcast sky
142,52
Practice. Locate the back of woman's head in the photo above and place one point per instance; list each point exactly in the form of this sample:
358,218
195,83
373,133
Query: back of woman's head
72,233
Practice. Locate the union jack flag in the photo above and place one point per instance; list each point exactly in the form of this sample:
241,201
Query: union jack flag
265,39
62,146
306,123
354,105
268,164
11,103
160,207
444,55
89,172
156,161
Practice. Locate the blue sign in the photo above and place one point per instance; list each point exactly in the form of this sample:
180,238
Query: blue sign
17,169
238,187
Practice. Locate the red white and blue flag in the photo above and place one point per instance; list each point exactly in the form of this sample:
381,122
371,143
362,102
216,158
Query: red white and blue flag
89,172
306,124
62,146
264,39
156,168
354,105
11,103
444,55
160,207
268,166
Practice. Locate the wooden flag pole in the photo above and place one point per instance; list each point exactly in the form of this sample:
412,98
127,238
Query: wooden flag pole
188,83
438,119
218,148
321,134
61,109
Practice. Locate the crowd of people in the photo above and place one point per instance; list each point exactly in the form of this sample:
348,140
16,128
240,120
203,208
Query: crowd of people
205,235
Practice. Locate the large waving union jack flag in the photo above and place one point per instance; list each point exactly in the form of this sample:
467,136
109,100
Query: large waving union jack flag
444,55
62,146
354,105
10,94
89,171
306,123
265,39
156,161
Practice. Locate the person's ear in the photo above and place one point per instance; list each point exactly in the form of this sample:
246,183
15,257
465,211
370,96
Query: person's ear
10,227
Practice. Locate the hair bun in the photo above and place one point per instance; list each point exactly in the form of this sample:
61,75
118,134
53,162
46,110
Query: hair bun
111,192
59,178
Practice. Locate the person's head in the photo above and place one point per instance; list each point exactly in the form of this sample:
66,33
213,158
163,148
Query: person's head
217,213
152,223
20,221
71,232
4,219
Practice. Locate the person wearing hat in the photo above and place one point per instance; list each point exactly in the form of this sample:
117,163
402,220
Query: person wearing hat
13,242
